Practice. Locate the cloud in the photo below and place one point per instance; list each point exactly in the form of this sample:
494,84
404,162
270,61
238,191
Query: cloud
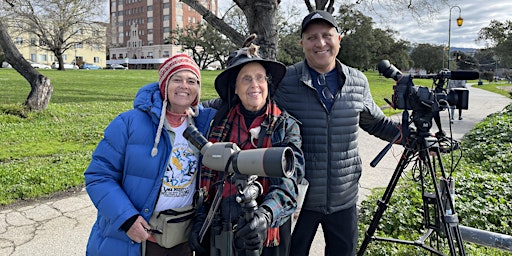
476,15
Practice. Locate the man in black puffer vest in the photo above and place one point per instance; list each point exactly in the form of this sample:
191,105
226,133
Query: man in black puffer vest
332,101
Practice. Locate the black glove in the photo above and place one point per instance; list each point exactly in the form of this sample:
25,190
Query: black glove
254,232
193,237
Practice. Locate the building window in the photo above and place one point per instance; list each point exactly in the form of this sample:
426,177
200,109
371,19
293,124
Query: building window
32,42
96,59
167,5
150,19
166,17
33,57
19,40
150,42
114,56
150,8
150,31
165,54
42,57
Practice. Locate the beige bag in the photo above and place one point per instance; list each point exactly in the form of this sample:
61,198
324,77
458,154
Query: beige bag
174,224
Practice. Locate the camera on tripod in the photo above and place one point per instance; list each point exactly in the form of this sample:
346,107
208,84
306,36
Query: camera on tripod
410,97
425,103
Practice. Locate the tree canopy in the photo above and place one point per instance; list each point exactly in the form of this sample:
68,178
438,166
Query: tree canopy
498,36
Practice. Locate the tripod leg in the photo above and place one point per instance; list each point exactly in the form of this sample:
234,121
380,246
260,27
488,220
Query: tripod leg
383,202
448,218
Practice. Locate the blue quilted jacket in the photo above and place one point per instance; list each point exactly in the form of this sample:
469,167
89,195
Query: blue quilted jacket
123,179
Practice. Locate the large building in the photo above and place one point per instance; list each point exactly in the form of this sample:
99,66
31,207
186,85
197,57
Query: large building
30,47
139,29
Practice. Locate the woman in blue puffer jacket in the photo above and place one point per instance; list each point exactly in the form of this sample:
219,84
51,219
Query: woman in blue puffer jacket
144,167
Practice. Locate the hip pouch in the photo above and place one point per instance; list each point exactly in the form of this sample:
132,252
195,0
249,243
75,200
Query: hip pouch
174,224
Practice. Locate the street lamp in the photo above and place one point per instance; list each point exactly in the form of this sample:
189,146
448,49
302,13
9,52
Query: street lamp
459,23
445,49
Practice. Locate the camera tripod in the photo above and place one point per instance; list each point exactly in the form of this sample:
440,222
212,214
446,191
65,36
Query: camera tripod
440,219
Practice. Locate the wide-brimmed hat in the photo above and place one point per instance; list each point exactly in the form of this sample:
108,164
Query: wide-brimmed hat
225,81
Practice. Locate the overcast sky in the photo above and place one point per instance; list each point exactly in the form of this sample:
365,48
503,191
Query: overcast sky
477,14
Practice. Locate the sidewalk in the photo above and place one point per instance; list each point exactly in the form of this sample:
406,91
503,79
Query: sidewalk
61,226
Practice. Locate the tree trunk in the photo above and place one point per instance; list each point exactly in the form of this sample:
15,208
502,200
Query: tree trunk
40,95
217,23
261,16
41,88
261,19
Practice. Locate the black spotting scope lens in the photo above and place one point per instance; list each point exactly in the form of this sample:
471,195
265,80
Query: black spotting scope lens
195,137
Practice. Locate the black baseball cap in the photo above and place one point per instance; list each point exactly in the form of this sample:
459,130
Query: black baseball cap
318,15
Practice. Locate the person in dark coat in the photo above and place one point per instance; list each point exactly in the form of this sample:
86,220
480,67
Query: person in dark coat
332,101
249,117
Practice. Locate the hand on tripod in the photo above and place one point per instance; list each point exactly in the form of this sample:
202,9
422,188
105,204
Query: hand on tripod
254,231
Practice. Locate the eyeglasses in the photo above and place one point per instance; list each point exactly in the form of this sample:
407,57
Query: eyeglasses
326,92
248,80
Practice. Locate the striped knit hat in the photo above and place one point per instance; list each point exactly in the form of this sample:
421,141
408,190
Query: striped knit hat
173,65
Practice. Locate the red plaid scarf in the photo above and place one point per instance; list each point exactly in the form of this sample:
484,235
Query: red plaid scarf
224,132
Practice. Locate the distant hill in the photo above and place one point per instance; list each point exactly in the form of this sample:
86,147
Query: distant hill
467,51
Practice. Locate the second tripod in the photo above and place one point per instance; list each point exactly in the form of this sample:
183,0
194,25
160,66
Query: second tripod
441,221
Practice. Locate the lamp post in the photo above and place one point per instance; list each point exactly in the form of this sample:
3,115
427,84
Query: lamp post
444,50
459,23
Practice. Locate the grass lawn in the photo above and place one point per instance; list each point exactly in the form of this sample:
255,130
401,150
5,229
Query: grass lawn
48,151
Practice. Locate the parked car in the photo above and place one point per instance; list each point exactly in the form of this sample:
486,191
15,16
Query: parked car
6,65
39,65
90,66
55,65
117,66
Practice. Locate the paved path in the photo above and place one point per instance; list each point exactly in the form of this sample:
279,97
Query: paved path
61,226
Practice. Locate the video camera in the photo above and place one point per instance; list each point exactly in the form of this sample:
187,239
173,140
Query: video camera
410,97
276,162
423,101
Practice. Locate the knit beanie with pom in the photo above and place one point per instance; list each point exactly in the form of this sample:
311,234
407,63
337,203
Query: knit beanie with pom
173,65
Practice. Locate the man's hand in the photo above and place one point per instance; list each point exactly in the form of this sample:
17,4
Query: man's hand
138,231
254,232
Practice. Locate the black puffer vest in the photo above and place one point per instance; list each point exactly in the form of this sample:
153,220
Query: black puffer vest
329,139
